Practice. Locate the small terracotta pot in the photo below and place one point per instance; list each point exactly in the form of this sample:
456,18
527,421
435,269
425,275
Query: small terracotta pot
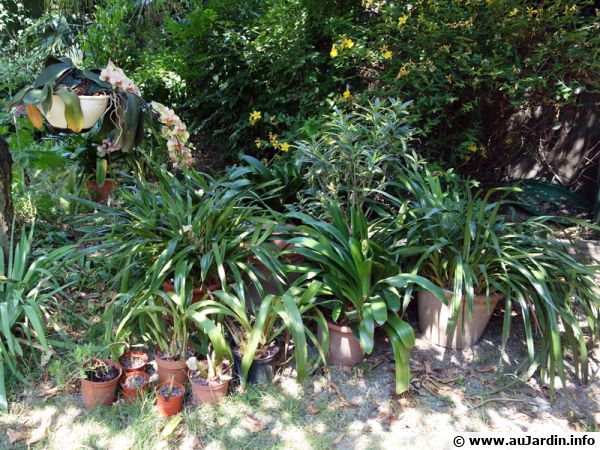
172,405
141,356
197,293
208,394
100,393
101,194
171,370
130,395
344,347
434,317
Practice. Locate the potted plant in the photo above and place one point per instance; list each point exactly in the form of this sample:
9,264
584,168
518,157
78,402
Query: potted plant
362,284
133,384
210,378
134,361
471,248
168,318
255,330
169,398
99,379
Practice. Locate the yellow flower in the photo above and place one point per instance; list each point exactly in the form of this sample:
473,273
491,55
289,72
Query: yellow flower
489,2
388,55
346,95
258,143
284,147
404,70
255,116
514,12
347,43
334,51
265,161
472,148
531,11
402,20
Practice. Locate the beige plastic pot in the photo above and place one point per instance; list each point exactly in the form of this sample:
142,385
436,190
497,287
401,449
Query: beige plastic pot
92,108
344,347
434,317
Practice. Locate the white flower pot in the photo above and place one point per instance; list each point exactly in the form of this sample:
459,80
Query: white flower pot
92,108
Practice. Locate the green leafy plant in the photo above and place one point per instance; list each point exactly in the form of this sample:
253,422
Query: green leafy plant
352,159
255,328
362,279
26,285
471,247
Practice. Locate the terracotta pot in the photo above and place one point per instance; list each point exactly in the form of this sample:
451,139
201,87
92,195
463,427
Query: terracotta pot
172,405
197,293
210,393
131,395
434,317
92,108
344,347
142,357
171,370
100,393
101,194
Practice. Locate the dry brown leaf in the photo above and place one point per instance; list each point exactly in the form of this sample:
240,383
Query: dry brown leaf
49,392
16,436
404,402
255,425
486,369
338,439
36,435
312,410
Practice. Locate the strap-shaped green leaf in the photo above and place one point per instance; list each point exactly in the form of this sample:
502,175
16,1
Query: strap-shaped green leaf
73,114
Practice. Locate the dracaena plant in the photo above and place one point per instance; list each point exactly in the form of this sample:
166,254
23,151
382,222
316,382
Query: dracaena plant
361,279
470,245
26,291
254,328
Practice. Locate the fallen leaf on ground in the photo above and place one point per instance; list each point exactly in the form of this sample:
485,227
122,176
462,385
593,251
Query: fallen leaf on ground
36,435
485,369
312,410
338,439
404,402
49,392
171,426
255,425
16,436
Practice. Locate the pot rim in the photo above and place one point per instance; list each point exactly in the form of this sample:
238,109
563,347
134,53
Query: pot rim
175,384
106,383
266,359
494,296
208,387
141,353
339,328
86,97
134,374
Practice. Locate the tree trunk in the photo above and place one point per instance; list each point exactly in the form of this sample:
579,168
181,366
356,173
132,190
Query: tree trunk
6,210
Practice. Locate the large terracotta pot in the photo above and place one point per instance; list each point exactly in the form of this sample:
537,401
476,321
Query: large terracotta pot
171,405
434,317
92,108
100,393
101,194
171,370
209,393
344,347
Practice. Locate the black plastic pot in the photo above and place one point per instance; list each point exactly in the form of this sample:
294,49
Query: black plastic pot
262,370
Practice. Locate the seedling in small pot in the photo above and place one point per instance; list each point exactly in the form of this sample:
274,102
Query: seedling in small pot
210,378
169,398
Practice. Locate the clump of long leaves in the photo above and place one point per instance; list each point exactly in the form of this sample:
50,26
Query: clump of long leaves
25,286
471,247
362,279
254,328
353,158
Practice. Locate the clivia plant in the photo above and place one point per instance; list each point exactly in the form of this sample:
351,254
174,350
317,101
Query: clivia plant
210,378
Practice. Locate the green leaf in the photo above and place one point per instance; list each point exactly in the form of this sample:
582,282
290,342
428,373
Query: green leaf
101,169
73,114
379,309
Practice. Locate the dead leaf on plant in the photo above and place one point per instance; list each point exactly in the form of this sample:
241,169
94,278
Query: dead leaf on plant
16,436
